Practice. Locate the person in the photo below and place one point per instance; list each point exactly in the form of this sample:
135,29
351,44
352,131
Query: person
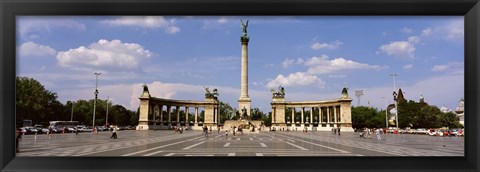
76,130
218,130
114,133
234,130
205,130
226,134
377,132
94,130
50,132
338,130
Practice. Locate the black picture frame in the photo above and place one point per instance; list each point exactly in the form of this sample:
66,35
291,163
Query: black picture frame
11,8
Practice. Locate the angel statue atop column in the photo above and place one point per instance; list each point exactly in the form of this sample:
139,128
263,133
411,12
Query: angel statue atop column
244,28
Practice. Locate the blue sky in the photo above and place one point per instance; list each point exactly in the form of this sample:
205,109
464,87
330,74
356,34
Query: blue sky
312,57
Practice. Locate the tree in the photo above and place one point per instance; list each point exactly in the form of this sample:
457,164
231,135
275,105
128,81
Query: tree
34,102
367,117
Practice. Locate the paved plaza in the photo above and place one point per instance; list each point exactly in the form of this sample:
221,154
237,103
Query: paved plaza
265,143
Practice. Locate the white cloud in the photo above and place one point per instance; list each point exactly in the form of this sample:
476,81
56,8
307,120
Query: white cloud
455,30
414,39
145,22
408,67
451,67
322,65
36,27
407,30
104,54
296,79
427,32
399,49
288,62
31,49
222,20
333,45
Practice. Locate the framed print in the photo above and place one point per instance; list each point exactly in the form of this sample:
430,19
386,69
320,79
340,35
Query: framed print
240,85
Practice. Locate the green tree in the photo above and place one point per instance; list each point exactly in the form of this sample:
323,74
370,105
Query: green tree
367,117
34,102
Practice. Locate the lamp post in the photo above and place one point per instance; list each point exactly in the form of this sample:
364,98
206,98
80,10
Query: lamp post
106,118
96,96
71,116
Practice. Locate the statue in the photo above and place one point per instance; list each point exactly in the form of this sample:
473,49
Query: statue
145,88
210,94
244,29
344,91
279,93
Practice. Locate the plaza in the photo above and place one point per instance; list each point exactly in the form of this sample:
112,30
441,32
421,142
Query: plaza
161,143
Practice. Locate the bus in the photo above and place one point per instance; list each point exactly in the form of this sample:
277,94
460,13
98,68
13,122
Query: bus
63,126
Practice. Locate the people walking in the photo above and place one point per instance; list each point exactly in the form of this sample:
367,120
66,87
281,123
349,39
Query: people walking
114,133
377,132
205,130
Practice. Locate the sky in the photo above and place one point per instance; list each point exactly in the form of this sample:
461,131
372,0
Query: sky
312,57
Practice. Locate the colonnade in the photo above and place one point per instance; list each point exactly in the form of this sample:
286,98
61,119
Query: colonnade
152,111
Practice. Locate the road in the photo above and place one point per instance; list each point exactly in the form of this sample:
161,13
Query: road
265,143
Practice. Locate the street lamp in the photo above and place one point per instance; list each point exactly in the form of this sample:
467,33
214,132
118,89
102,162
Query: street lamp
395,98
96,96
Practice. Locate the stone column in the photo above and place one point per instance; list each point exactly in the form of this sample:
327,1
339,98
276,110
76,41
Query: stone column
244,100
335,115
169,117
320,115
328,116
302,120
186,116
196,115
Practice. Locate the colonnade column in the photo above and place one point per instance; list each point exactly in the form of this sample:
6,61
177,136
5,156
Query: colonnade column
169,117
335,115
186,117
302,121
196,114
328,116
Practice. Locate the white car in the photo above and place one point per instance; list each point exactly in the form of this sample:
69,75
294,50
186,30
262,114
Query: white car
421,131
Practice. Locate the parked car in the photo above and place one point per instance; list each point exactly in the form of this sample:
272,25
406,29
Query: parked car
102,128
80,128
88,129
421,131
29,130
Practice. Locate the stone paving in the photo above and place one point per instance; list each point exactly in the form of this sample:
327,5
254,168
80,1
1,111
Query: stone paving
265,143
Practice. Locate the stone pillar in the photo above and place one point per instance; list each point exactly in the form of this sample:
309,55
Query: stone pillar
169,117
335,115
196,115
302,120
161,115
178,116
328,116
187,123
244,100
320,115
273,116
